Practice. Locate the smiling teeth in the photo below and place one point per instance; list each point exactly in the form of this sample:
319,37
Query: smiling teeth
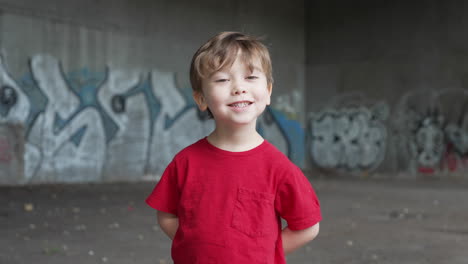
243,104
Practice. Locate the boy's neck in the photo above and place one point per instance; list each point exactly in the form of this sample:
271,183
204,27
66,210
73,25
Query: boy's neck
235,139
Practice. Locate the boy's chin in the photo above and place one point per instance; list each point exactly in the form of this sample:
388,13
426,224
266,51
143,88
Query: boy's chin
239,121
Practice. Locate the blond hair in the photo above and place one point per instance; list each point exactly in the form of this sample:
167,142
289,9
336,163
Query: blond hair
222,50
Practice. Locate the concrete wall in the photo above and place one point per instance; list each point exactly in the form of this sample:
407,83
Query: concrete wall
101,88
387,86
11,153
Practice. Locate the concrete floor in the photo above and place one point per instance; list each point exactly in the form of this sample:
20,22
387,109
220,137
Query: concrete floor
365,221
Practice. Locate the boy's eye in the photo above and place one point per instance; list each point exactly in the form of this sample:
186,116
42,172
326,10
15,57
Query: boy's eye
221,80
251,77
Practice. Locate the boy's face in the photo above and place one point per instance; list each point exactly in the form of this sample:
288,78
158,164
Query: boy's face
236,95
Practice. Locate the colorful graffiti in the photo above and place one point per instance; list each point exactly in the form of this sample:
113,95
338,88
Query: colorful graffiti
426,133
351,139
121,124
111,125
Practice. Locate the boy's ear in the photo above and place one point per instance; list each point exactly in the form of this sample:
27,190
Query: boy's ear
270,89
200,100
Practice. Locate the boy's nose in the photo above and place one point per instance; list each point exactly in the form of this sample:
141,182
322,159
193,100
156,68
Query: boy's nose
238,89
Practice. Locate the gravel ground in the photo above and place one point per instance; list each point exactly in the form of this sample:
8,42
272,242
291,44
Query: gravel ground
365,221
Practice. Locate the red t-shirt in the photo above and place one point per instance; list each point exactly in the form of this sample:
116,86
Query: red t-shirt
229,204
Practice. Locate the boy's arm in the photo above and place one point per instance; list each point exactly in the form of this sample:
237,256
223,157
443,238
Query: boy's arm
169,223
293,239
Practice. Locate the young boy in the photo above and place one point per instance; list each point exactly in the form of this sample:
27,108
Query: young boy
221,199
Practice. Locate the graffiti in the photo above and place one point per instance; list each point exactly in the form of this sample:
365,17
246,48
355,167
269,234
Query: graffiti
130,120
127,124
427,146
117,124
458,137
454,108
14,105
433,127
349,138
289,104
67,135
292,136
7,97
5,151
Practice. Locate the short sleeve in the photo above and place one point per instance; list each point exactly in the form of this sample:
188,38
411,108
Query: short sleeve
165,195
296,201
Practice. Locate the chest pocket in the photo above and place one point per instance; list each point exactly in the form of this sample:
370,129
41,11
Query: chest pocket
254,213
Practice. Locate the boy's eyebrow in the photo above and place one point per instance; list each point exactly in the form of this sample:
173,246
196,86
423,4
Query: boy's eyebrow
250,68
256,68
217,72
253,68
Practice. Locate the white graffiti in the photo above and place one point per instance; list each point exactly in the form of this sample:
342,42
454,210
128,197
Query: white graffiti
458,137
432,129
126,153
427,147
348,138
59,159
121,125
167,141
19,106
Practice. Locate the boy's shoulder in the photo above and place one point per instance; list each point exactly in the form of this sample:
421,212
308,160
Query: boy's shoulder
275,153
192,149
278,161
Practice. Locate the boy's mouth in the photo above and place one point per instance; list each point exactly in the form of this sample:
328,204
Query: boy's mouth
241,104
